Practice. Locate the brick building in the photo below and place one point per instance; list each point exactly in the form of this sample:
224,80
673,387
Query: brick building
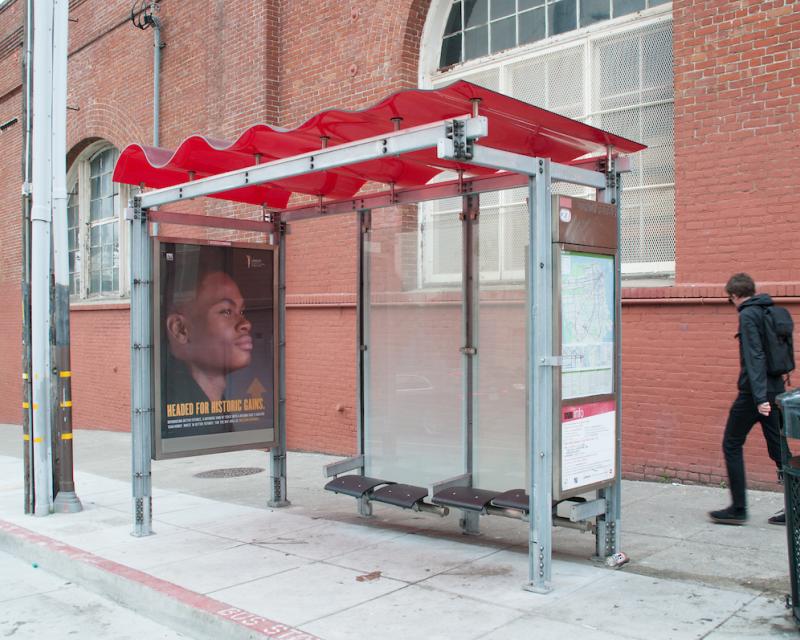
712,87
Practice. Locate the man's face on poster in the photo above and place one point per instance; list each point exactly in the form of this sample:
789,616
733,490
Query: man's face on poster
211,331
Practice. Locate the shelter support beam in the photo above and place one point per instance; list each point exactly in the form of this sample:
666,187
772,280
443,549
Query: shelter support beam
577,175
607,539
277,454
454,188
364,227
142,412
540,376
391,144
470,208
216,222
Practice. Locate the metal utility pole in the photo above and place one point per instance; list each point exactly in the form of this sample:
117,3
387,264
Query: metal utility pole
49,193
41,216
27,449
66,501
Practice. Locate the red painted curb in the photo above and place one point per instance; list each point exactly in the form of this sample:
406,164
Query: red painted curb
257,624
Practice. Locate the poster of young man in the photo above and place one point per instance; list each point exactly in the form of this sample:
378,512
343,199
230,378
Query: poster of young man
215,355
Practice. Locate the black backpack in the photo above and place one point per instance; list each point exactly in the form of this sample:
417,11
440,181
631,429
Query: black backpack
778,342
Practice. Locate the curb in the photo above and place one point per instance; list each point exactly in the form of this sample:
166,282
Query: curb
180,609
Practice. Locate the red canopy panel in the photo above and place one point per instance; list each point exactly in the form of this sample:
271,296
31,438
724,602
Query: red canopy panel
513,126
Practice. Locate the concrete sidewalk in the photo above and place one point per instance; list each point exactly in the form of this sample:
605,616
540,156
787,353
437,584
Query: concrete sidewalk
222,565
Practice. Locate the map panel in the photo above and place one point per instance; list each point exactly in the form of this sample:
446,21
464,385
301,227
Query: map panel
587,324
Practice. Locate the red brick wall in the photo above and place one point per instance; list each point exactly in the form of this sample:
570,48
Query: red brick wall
101,366
737,139
680,367
10,213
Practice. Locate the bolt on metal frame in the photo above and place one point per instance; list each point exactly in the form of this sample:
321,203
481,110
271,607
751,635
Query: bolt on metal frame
454,140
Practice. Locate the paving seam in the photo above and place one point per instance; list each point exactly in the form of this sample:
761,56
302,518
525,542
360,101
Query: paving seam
186,611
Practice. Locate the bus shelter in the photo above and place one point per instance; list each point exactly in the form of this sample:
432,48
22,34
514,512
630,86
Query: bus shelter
484,393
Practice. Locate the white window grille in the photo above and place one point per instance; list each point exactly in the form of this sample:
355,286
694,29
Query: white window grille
616,75
96,267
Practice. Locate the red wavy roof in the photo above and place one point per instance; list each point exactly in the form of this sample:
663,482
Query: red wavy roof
513,126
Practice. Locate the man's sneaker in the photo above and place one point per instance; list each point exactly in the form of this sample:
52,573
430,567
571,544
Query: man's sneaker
778,518
729,515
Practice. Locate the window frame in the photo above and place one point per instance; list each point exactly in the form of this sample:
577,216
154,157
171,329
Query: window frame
431,76
80,174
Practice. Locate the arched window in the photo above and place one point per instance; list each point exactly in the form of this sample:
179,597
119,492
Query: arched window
94,214
604,62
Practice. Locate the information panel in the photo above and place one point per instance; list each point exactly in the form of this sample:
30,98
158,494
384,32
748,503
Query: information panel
588,451
215,349
587,324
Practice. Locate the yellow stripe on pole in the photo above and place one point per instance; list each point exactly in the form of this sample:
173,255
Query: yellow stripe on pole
66,436
24,376
26,405
66,403
26,437
38,440
65,374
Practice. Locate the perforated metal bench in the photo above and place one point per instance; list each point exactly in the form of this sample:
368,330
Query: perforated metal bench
448,494
406,496
465,498
355,485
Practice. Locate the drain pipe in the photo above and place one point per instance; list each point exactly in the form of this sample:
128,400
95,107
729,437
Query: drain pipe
66,501
142,19
156,72
41,215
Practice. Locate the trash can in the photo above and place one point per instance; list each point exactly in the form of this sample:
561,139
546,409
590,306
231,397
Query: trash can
789,403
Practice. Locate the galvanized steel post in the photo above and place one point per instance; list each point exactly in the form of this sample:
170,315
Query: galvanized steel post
469,213
142,411
607,541
540,375
277,454
364,224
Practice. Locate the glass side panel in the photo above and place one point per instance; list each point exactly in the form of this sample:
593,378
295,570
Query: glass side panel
500,431
413,371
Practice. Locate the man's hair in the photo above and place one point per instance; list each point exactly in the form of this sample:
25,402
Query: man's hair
740,285
190,265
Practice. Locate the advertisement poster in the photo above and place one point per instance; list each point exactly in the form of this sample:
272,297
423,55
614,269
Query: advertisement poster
588,444
216,324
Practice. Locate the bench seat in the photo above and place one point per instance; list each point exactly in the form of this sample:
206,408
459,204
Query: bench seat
512,499
355,485
400,495
466,498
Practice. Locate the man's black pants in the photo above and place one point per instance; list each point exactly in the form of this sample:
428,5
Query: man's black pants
742,417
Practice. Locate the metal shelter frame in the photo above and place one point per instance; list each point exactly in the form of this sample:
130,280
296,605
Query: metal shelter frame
455,139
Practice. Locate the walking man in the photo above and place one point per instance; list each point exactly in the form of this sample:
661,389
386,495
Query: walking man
756,399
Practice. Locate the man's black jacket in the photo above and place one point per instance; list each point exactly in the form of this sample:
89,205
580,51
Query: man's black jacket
753,378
